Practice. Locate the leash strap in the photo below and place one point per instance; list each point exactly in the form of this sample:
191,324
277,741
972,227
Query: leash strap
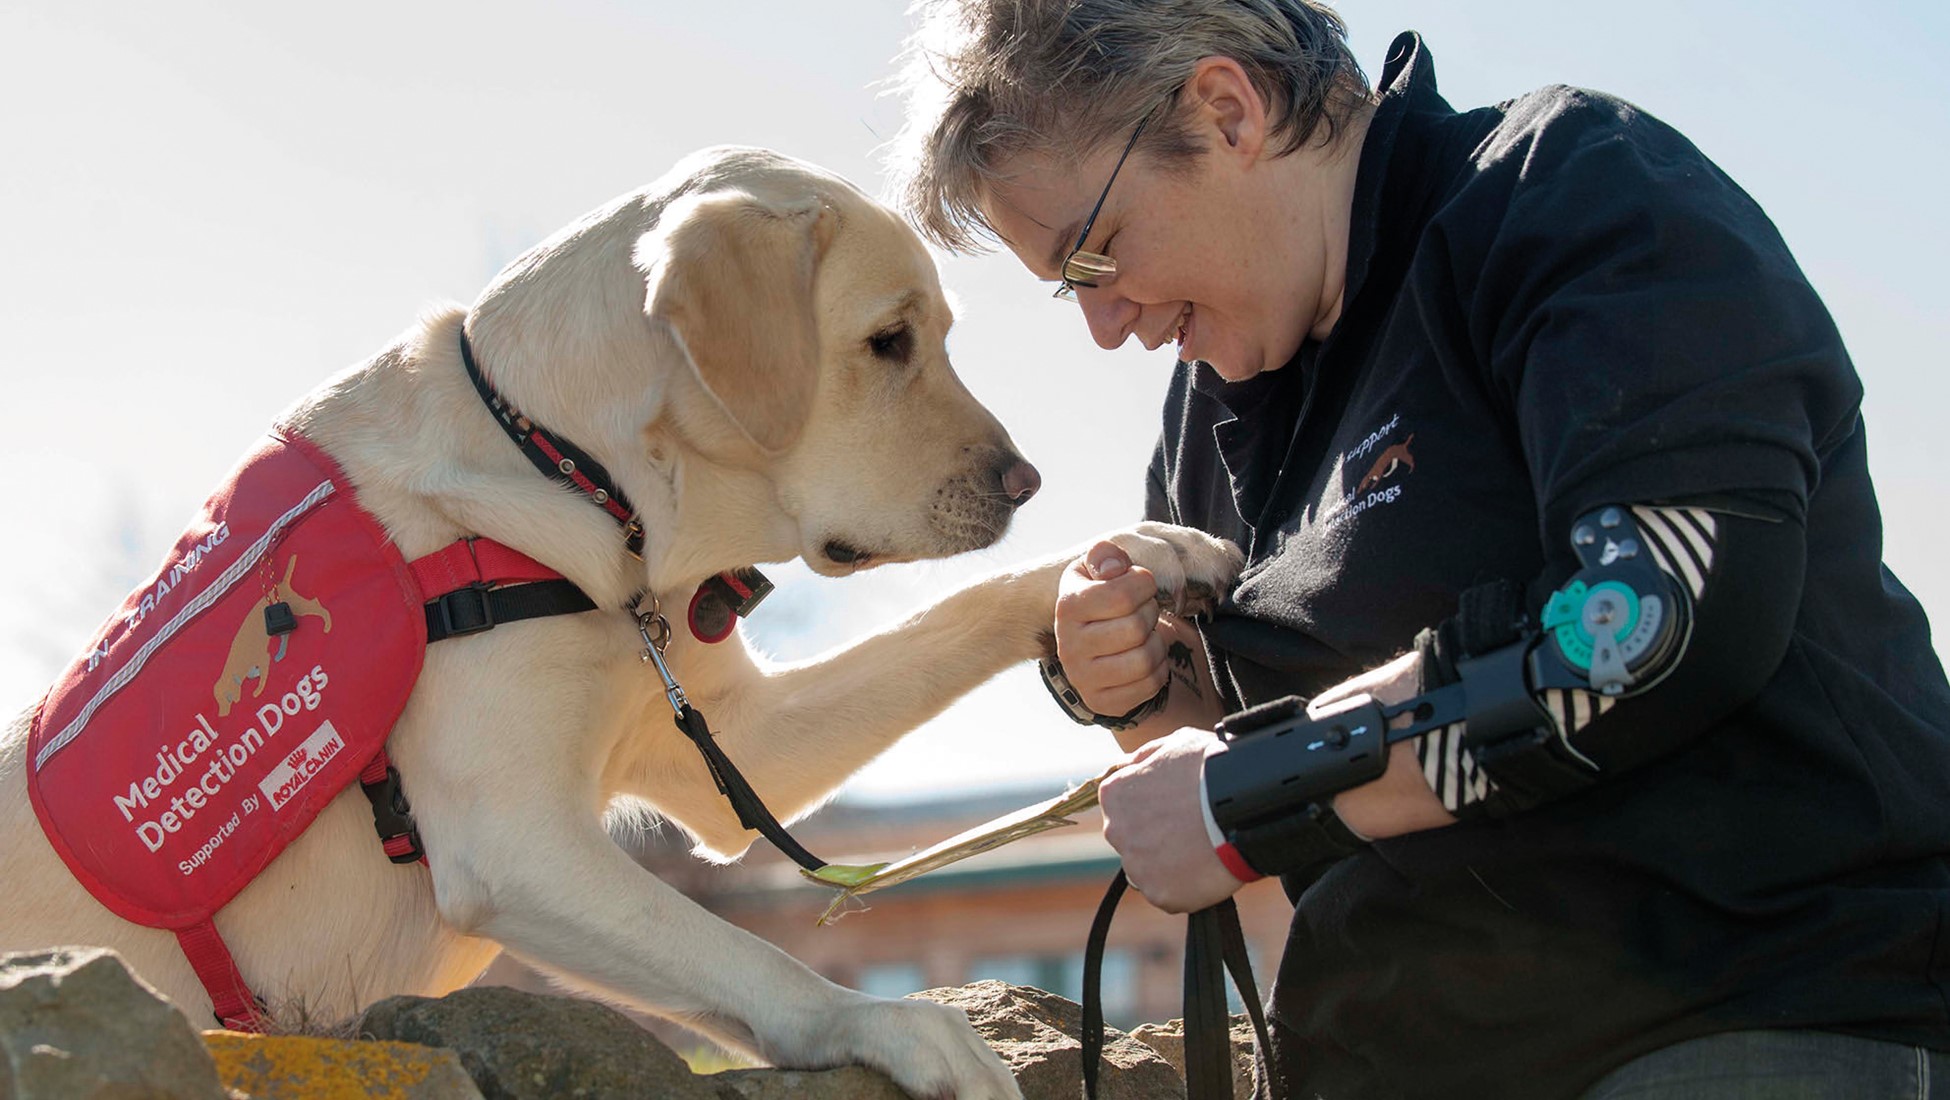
1092,1039
1239,963
565,463
557,458
1208,1038
751,810
1215,944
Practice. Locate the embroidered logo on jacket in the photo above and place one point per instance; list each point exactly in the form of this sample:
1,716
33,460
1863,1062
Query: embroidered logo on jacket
1391,460
1394,460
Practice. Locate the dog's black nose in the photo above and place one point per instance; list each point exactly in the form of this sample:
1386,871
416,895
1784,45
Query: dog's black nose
1020,482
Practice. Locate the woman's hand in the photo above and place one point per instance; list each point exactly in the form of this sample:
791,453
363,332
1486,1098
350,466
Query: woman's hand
1107,634
1153,818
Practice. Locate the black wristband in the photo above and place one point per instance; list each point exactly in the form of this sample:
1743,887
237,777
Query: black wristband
1303,843
1066,696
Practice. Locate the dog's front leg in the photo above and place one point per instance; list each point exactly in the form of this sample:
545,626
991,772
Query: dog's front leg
552,888
798,730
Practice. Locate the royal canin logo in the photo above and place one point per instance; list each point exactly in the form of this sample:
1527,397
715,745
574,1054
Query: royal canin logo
307,760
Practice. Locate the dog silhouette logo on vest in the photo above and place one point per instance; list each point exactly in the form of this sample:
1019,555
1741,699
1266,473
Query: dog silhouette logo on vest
276,615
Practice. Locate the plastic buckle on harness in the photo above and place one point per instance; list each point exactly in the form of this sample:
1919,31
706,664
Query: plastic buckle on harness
465,610
392,816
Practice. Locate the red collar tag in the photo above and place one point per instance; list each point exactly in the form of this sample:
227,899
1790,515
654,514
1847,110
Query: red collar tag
721,601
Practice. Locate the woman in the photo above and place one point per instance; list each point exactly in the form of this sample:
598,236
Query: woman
1422,353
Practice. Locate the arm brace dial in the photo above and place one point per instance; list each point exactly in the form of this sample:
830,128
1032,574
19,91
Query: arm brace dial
1616,628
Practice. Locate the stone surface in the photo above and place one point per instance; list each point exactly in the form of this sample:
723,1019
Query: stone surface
851,1083
302,1067
526,1046
1168,1039
1036,1034
76,1024
529,1046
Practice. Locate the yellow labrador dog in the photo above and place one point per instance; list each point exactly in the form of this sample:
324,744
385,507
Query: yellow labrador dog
755,351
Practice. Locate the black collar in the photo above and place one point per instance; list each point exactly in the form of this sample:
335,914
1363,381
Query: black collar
556,457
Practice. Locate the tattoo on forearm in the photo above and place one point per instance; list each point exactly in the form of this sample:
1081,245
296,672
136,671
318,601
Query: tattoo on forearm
1183,669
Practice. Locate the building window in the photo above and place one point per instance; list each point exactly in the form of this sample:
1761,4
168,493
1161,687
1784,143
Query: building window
891,979
1033,970
1063,976
1234,1004
1120,987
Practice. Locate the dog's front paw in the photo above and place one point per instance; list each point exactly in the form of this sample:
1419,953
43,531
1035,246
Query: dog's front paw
1193,568
928,1049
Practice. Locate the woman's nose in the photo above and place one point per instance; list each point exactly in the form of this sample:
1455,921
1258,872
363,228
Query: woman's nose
1108,314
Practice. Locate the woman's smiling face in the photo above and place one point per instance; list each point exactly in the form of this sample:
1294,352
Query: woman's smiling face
1232,255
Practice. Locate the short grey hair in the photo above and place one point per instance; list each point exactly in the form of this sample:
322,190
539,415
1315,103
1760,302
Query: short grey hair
988,81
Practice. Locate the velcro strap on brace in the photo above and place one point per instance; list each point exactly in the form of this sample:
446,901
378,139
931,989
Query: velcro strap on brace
1488,617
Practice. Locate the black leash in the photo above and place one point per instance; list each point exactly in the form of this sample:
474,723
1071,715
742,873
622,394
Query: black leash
751,810
1214,945
568,464
752,813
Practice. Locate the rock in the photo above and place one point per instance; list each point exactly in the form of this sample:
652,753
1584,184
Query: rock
527,1046
1168,1039
76,1024
850,1083
302,1067
1036,1034
530,1046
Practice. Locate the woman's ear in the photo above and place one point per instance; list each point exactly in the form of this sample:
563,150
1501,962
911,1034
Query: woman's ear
731,275
1230,109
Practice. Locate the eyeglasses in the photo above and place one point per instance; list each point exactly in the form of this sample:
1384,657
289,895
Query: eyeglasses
1093,269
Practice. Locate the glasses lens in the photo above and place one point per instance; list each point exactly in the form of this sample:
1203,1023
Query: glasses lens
1089,269
1065,293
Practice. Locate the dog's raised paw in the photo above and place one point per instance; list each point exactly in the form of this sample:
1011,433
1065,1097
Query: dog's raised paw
1194,570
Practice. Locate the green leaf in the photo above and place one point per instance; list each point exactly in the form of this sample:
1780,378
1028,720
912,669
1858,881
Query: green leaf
843,875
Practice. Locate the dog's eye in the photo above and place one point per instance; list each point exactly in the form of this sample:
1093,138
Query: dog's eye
895,344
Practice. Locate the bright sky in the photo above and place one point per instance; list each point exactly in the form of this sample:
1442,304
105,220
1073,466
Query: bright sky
208,208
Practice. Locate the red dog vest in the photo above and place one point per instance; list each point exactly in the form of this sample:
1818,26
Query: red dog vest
234,694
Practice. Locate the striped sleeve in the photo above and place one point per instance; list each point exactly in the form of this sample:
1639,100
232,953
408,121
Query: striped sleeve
1682,541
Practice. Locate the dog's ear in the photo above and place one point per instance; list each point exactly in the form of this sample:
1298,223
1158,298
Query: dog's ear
732,276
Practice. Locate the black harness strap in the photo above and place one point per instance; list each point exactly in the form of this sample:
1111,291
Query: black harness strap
1214,945
476,608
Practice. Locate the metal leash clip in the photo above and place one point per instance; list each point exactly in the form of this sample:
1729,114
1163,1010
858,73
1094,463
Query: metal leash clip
656,638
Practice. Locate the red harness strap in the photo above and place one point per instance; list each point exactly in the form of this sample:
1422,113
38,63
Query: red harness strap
236,1008
471,563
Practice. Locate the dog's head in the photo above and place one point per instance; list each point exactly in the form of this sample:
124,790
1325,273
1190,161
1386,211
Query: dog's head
755,330
812,324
